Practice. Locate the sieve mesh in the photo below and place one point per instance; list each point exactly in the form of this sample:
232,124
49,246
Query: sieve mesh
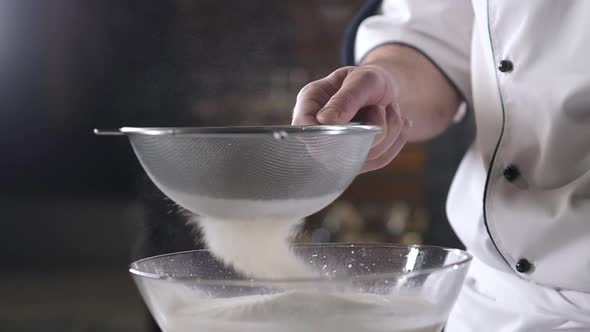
261,164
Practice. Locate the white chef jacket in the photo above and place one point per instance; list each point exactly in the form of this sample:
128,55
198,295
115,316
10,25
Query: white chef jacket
520,200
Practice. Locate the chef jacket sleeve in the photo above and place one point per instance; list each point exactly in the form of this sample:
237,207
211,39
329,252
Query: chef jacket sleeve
440,29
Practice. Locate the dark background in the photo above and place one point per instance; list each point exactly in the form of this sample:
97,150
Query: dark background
75,209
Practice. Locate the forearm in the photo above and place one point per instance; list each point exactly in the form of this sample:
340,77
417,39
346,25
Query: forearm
423,94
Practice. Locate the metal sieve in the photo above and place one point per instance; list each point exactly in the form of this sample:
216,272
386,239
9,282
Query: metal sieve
265,172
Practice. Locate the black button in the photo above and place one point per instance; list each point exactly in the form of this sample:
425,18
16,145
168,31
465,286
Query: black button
505,66
511,173
523,265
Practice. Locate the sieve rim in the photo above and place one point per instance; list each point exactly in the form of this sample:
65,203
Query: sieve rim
252,130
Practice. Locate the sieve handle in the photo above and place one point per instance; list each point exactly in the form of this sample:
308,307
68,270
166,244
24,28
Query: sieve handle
108,132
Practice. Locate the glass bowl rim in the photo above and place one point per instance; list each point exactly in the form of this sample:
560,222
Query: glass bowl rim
462,262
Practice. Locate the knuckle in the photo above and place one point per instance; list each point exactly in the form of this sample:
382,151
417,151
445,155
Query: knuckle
307,89
368,75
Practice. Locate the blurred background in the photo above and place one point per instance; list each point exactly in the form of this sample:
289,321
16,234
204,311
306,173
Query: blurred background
75,209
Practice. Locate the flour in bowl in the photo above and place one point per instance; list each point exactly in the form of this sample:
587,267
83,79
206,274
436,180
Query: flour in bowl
299,311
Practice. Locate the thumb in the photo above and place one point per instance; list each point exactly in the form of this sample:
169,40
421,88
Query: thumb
361,88
340,109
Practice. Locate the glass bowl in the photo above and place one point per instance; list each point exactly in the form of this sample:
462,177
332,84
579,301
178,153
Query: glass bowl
359,287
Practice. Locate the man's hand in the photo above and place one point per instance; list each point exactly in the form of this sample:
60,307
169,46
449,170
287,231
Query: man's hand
396,88
365,94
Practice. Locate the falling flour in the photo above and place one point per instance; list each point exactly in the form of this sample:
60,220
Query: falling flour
254,237
260,249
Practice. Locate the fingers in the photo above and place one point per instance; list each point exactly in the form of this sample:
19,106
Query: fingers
314,96
394,125
391,152
373,115
363,94
360,88
337,98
